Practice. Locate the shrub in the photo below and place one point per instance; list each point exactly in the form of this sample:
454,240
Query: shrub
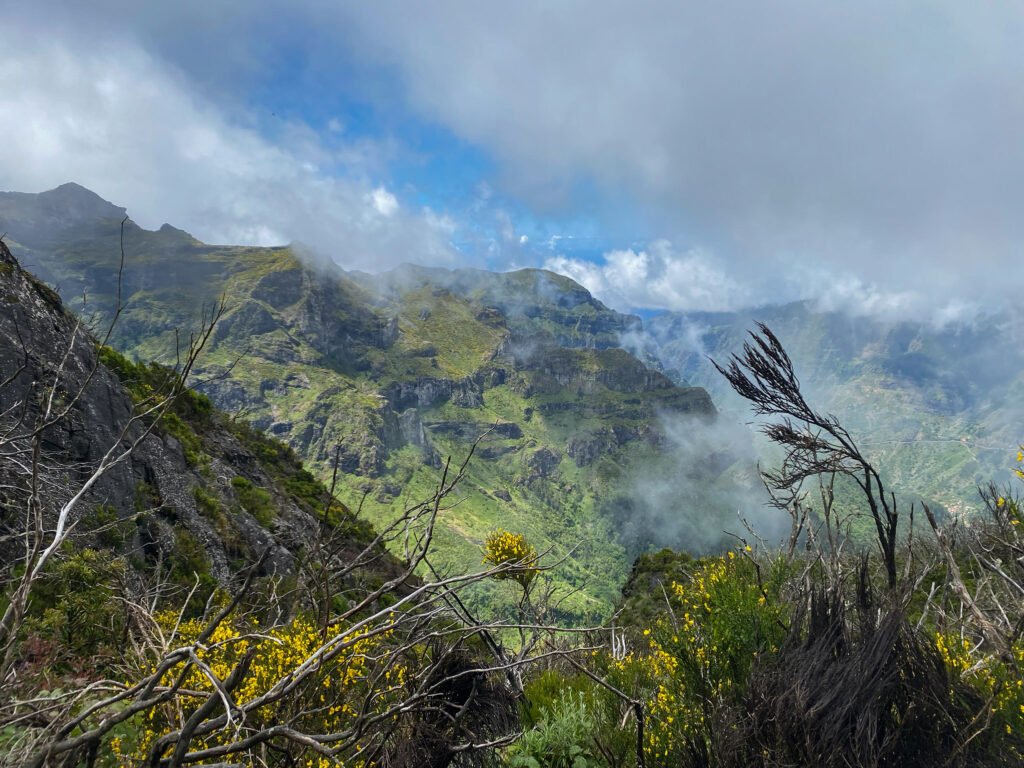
256,501
502,548
562,738
330,700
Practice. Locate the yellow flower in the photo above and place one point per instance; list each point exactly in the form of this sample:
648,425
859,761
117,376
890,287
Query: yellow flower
512,549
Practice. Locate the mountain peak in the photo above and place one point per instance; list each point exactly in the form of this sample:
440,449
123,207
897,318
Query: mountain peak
39,217
79,203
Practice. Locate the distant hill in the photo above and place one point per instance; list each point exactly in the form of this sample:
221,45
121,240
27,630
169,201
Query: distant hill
385,376
940,408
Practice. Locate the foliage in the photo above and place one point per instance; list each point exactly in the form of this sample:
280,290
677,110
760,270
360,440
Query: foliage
561,739
189,566
697,655
282,464
998,682
503,548
338,691
75,613
190,413
254,500
111,531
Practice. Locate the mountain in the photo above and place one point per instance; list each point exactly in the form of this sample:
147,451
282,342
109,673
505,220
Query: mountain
383,377
199,498
940,409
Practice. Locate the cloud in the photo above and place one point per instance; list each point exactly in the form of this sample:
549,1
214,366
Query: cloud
657,277
384,202
702,491
107,114
855,297
869,139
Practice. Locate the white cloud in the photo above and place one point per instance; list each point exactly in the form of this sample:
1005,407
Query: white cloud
856,297
384,202
874,139
108,115
657,277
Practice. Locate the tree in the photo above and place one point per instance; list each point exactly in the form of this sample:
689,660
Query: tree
816,444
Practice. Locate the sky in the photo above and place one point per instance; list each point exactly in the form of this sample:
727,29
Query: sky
685,156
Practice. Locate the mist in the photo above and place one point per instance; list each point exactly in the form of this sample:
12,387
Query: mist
701,493
935,406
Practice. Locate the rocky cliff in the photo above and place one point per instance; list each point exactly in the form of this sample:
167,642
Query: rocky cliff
200,497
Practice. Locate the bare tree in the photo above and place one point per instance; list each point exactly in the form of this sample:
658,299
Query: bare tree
451,700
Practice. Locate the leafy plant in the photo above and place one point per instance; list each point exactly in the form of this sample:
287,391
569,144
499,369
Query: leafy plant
562,738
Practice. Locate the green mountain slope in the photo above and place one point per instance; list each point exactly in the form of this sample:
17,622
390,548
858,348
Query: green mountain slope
387,376
940,409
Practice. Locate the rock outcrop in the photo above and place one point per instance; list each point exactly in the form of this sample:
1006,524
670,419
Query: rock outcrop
195,483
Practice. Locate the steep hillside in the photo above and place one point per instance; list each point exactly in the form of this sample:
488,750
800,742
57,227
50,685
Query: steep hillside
200,497
387,376
939,408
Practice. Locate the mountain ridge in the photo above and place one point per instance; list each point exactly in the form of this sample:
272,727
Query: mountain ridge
384,377
183,499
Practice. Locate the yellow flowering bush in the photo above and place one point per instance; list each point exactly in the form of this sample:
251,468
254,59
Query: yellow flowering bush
505,548
998,682
650,674
697,654
723,620
329,700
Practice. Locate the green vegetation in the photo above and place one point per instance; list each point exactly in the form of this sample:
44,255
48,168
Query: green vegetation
111,531
149,384
75,615
856,644
812,655
256,501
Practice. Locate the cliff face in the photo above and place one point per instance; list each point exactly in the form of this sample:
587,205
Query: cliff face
387,376
199,494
